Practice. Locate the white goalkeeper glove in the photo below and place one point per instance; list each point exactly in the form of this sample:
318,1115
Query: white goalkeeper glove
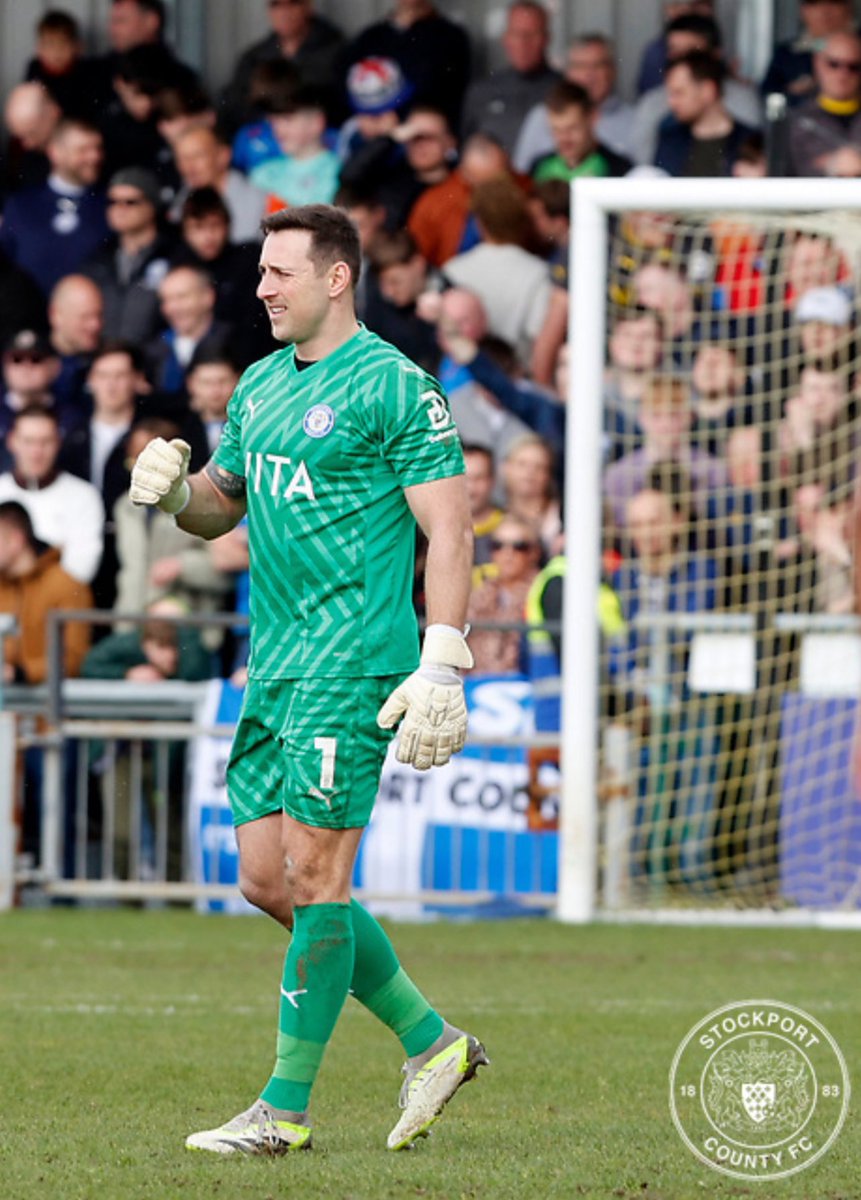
158,476
431,702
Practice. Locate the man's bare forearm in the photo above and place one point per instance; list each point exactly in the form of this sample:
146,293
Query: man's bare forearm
217,503
448,575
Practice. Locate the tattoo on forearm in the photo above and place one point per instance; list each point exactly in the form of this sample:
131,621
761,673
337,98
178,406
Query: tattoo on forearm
230,485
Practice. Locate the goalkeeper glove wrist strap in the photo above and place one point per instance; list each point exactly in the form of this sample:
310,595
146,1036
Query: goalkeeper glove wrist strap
445,646
177,503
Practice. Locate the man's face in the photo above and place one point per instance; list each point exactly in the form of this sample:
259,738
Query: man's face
206,235
687,97
289,18
527,473
429,144
210,387
368,222
298,133
76,319
823,394
825,17
665,422
821,338
479,481
12,545
130,26
112,382
838,68
187,302
29,373
572,133
402,283
714,371
129,211
525,39
200,159
635,345
56,52
652,525
34,443
813,262
593,69
77,156
296,296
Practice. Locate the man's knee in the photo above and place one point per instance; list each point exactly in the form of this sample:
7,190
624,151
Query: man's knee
268,894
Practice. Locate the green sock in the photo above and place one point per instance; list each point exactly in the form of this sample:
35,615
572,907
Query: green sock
383,986
317,971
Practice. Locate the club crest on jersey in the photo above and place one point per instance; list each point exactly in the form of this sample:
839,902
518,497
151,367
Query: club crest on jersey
318,421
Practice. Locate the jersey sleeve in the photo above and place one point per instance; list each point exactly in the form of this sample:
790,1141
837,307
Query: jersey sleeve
228,453
420,438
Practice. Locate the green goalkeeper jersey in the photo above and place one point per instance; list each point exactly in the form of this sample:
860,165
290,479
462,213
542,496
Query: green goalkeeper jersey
326,452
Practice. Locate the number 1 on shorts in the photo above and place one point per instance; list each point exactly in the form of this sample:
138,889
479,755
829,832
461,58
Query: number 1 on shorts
328,747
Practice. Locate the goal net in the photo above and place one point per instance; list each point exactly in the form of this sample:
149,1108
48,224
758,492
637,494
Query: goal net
713,450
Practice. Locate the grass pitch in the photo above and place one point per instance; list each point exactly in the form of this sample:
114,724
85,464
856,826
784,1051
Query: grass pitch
122,1031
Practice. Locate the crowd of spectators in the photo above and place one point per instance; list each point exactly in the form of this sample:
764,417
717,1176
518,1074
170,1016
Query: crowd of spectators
132,197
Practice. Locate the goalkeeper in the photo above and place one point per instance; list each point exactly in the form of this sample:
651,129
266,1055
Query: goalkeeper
334,446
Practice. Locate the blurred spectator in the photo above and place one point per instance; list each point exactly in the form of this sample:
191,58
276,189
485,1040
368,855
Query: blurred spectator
751,161
432,52
305,172
301,38
211,382
818,437
50,229
635,353
480,488
822,128
666,419
399,276
187,297
232,267
791,68
591,64
160,650
441,220
60,67
369,216
75,317
825,327
156,558
530,493
32,585
499,103
704,139
501,596
31,368
130,121
139,24
512,284
820,568
66,512
203,160
657,53
271,85
813,261
664,288
176,109
570,113
550,209
689,33
129,270
31,116
378,93
719,395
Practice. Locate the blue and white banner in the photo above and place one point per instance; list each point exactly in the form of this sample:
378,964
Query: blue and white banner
461,827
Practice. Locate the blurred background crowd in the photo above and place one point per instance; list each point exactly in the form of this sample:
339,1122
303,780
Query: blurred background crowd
132,197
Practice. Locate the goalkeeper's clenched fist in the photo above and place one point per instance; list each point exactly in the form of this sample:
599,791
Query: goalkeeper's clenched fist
158,476
431,702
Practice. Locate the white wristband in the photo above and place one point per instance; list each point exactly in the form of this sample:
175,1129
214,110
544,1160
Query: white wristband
446,646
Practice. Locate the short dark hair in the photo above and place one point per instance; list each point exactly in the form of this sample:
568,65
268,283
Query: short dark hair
706,28
704,67
205,202
555,197
36,410
304,97
334,237
156,7
391,248
217,356
479,448
565,94
15,515
58,21
118,346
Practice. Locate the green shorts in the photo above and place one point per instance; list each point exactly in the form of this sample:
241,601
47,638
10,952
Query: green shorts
311,748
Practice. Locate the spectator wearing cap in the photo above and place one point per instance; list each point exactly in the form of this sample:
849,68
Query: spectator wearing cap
824,319
66,512
51,229
499,102
31,368
203,160
305,172
827,127
129,270
205,244
431,51
299,37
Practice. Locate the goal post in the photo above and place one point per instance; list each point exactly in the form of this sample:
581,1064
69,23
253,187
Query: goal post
589,831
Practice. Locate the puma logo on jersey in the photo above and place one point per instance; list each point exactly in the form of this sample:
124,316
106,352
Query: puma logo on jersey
277,475
292,997
252,406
